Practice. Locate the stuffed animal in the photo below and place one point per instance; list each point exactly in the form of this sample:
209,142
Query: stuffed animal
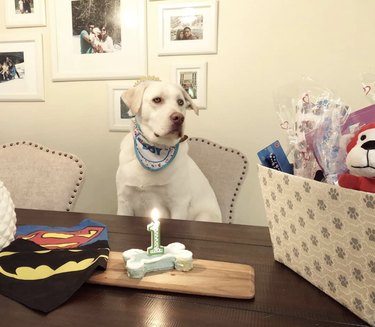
360,161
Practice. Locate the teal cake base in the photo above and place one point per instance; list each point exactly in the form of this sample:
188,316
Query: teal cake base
175,256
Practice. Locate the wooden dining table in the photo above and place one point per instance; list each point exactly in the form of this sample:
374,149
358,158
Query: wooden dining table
282,297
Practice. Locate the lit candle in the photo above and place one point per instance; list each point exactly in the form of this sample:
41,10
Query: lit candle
157,257
154,228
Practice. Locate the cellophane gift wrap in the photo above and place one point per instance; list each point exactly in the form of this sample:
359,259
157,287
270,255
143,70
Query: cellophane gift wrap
326,234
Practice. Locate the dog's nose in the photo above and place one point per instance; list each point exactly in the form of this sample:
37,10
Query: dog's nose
177,118
369,145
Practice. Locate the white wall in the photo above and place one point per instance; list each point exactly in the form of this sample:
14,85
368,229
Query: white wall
261,45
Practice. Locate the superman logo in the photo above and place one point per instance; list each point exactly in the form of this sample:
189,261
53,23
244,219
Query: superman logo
63,239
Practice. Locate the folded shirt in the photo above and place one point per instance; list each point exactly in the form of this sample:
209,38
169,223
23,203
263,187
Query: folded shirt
44,266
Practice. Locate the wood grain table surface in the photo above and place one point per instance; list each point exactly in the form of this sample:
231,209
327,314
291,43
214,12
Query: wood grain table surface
282,297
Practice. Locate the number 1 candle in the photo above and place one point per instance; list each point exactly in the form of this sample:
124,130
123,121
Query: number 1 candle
154,228
157,257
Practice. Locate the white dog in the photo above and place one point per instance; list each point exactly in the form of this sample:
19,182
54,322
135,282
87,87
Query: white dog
155,170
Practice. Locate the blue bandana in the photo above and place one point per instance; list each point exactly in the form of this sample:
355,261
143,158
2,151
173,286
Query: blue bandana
151,157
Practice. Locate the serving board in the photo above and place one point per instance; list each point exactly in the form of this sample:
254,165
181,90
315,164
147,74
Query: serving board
211,278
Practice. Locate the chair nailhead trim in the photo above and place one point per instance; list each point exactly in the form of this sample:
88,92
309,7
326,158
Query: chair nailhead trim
241,178
68,156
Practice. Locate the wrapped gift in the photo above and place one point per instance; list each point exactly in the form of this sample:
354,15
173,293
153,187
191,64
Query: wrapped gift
326,234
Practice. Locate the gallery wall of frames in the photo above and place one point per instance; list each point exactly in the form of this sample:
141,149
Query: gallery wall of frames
87,35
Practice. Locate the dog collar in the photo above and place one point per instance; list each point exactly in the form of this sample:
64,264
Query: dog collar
151,157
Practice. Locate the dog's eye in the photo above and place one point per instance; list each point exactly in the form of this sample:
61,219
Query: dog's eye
363,137
180,102
156,100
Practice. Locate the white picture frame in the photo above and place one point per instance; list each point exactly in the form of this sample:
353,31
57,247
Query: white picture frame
127,61
119,116
200,17
26,81
23,17
193,78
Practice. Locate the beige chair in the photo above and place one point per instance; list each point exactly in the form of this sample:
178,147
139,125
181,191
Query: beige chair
225,169
40,178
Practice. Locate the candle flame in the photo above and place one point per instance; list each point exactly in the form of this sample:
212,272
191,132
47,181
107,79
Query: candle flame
155,215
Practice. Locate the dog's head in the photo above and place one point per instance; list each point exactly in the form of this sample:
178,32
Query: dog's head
361,152
160,110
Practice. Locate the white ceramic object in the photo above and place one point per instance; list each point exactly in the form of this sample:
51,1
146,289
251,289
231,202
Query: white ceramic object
7,217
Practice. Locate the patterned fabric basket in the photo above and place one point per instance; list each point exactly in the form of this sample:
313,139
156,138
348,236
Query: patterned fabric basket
326,234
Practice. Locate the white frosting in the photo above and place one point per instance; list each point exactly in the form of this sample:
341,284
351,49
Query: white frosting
175,256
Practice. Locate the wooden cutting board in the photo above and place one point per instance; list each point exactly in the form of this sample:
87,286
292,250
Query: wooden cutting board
212,278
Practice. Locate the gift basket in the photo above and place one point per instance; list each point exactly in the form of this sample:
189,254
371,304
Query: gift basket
321,230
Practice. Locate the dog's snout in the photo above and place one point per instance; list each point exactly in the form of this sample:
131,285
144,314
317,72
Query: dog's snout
177,118
369,145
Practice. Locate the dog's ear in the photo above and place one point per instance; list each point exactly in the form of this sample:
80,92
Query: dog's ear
133,97
190,101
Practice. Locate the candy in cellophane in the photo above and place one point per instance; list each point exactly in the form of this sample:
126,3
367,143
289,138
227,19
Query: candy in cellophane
327,140
300,106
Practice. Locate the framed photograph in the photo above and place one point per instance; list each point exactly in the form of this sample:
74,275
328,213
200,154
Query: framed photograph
188,28
119,114
21,68
193,78
25,13
98,39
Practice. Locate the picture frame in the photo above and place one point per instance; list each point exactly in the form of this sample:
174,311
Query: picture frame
119,116
29,14
193,78
188,28
126,26
22,76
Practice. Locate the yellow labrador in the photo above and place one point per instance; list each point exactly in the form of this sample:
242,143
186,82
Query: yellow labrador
155,170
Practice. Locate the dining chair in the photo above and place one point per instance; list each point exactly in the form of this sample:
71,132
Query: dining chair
225,169
40,178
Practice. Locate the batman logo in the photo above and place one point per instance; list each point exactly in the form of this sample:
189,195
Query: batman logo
45,270
38,263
